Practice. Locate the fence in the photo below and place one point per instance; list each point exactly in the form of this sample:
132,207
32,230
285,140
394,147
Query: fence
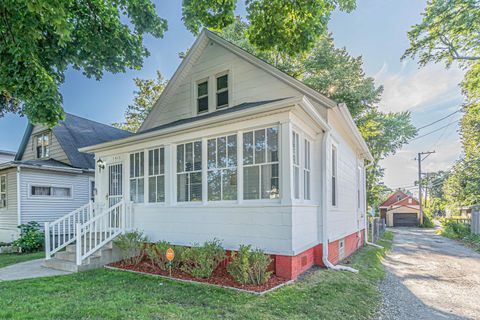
376,228
475,222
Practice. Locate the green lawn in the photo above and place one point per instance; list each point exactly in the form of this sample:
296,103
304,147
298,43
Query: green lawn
12,258
108,294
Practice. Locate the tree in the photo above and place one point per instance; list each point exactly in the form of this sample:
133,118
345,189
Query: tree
147,93
336,74
41,39
450,31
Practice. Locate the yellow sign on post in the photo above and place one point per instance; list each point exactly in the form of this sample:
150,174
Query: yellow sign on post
170,255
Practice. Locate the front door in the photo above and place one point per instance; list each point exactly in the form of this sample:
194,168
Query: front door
115,184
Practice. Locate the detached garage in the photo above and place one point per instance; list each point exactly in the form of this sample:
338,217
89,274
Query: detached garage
403,216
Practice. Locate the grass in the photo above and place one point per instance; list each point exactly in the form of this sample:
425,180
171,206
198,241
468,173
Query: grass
459,231
13,258
108,294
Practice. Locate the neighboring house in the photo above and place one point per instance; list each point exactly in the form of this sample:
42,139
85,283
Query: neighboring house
400,210
237,150
6,156
49,177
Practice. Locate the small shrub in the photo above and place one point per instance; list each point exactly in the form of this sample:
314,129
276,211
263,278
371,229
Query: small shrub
249,267
454,229
427,219
132,245
156,253
201,261
31,237
473,240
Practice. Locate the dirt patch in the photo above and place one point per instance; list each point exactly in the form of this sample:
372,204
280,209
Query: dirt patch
220,277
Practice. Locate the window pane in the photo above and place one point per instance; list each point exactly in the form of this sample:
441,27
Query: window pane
150,162
203,104
307,185
222,152
132,165
156,164
272,147
232,151
334,191
214,185
211,153
222,82
61,192
198,155
229,184
222,99
136,166
162,160
196,186
180,158
182,187
142,165
152,189
296,182
270,189
161,189
189,156
248,148
260,146
203,88
251,176
3,184
133,190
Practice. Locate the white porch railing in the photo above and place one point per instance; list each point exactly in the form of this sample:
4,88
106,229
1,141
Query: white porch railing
62,232
100,230
90,231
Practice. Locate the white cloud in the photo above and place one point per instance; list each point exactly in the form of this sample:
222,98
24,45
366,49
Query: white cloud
417,88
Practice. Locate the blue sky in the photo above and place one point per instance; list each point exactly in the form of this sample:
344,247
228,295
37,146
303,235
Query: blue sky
376,30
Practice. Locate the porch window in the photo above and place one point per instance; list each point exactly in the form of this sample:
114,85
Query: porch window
222,91
296,165
189,172
156,175
50,191
222,168
3,191
260,164
137,177
202,96
42,145
306,171
334,176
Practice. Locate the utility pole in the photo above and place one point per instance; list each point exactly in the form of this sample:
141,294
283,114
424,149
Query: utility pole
419,159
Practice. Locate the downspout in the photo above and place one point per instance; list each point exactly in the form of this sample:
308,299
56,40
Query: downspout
325,260
366,206
19,198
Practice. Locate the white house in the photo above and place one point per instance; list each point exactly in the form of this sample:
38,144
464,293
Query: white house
237,150
49,177
6,156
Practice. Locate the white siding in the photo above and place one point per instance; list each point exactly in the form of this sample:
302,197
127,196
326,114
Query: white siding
49,209
8,215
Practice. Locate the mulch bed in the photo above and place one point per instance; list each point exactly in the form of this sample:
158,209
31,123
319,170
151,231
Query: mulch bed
220,277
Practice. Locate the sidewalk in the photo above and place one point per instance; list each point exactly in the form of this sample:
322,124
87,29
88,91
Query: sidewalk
28,270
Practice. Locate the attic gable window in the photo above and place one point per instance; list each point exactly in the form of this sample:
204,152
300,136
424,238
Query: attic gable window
222,91
42,145
202,96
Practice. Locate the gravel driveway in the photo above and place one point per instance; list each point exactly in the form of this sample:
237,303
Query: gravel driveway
430,277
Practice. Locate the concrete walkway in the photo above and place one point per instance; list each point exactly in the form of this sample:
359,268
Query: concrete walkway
430,277
28,270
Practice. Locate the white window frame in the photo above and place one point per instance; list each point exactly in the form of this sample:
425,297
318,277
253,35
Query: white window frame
207,95
91,191
51,196
141,175
189,173
296,164
217,91
45,153
265,163
4,192
225,168
307,170
156,176
334,176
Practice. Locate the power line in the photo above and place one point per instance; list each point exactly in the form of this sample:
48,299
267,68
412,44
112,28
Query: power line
433,131
436,121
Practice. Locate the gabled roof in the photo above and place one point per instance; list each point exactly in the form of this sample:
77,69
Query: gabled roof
8,153
393,198
200,44
76,132
404,202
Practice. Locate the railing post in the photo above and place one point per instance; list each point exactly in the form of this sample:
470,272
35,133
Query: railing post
47,241
124,216
79,244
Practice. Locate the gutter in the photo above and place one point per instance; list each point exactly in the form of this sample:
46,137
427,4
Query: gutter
325,260
43,167
19,198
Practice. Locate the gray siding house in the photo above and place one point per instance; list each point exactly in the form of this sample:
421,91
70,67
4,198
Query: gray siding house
49,177
6,156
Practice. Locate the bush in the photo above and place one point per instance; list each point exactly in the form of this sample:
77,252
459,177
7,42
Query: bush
249,267
427,219
201,261
454,229
31,237
156,254
132,245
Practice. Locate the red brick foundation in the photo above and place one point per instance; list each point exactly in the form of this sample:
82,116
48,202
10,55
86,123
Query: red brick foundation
291,267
